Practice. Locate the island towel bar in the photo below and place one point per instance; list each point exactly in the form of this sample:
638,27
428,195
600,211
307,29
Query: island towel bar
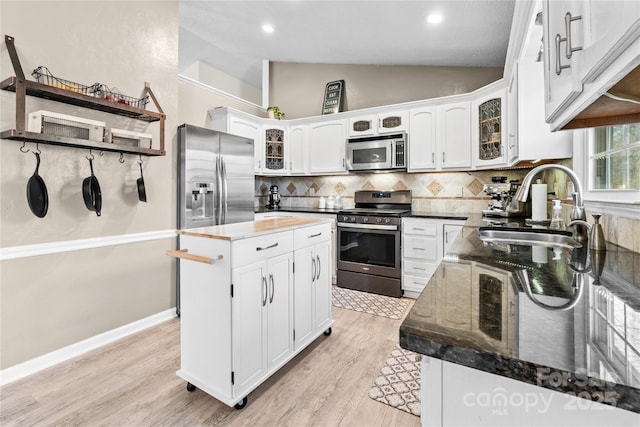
184,254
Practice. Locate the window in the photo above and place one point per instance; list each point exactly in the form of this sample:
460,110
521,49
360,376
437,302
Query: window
614,160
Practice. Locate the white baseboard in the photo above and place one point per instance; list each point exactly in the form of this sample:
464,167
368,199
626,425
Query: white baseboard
32,366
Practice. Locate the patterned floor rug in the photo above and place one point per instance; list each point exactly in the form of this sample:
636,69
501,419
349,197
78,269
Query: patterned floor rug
398,384
379,305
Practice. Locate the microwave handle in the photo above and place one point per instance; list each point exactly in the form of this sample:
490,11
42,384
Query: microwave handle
392,155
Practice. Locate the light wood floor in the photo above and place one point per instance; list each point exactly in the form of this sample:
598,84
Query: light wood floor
133,383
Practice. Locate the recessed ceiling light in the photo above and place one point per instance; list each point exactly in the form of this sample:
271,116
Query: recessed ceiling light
434,18
268,28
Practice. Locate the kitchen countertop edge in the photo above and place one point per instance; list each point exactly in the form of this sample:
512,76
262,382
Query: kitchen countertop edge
241,230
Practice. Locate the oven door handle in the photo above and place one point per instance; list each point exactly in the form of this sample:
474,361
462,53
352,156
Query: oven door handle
368,226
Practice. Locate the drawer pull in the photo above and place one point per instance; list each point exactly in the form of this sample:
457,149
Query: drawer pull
314,235
419,249
416,228
419,268
184,254
267,247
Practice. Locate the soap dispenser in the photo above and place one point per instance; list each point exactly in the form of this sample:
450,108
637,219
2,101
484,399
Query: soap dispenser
556,219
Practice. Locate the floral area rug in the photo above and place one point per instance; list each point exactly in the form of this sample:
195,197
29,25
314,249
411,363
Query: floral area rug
398,384
365,302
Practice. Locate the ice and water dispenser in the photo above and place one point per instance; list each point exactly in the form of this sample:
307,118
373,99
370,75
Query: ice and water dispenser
201,200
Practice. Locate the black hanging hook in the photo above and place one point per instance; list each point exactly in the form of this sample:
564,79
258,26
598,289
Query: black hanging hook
24,148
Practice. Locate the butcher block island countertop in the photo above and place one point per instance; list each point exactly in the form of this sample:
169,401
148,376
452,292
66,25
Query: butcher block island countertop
243,230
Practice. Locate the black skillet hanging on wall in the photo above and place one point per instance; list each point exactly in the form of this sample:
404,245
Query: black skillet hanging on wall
37,195
91,192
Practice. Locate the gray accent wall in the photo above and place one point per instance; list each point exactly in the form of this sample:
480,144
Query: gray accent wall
298,88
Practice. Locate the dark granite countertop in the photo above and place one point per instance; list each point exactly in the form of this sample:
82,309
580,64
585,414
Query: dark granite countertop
438,215
563,319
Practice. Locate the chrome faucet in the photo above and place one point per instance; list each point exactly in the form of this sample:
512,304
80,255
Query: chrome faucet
580,232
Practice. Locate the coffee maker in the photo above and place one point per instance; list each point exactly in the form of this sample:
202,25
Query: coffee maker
274,198
502,193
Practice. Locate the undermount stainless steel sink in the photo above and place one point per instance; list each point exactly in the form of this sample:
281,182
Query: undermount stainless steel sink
527,237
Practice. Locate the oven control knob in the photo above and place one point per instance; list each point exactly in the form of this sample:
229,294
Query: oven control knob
353,219
387,220
379,220
365,219
345,218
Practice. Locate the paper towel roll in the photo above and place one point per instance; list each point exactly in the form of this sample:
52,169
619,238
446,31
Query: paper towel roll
539,202
539,254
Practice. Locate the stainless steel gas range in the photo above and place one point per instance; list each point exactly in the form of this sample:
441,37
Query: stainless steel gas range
369,256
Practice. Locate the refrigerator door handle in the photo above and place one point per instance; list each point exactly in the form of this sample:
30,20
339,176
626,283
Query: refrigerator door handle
219,191
225,195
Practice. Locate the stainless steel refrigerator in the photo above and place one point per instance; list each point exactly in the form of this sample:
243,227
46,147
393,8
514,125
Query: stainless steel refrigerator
215,180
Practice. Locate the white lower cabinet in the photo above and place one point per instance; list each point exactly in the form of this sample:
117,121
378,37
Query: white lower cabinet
455,395
312,296
239,313
262,319
424,243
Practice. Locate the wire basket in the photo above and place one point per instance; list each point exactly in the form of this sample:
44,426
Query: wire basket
113,95
44,76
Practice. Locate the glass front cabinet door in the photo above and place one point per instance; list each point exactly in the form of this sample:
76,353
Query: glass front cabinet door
489,135
274,150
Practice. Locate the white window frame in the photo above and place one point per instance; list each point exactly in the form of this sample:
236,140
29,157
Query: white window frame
625,203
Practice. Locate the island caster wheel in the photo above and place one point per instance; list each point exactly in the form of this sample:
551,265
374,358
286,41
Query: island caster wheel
242,404
191,387
327,332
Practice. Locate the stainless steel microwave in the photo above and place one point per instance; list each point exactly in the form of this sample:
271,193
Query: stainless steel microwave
382,152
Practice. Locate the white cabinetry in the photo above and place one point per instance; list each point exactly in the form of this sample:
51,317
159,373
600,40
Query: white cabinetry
589,46
276,147
440,137
246,125
262,319
424,243
453,395
312,278
513,115
422,139
533,138
237,312
297,150
327,141
455,136
489,131
379,123
562,81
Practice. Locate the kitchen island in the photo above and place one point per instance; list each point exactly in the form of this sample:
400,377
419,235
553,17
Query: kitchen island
253,295
528,335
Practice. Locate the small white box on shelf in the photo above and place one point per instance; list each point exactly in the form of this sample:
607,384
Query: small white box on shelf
51,123
128,137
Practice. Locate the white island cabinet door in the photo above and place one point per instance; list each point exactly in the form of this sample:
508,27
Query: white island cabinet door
249,326
279,309
322,285
304,281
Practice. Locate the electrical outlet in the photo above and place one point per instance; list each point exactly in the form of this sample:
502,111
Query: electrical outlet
460,192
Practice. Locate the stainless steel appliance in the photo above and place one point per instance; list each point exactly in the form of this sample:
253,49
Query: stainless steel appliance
274,198
383,152
215,178
215,181
369,257
502,193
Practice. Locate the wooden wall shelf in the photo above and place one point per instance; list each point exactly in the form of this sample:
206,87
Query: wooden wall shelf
23,87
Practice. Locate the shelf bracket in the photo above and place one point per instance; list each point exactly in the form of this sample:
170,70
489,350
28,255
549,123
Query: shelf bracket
15,61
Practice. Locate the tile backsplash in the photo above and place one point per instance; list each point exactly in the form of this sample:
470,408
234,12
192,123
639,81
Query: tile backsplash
455,192
448,192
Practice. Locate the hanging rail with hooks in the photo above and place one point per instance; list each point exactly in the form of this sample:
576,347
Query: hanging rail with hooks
23,87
